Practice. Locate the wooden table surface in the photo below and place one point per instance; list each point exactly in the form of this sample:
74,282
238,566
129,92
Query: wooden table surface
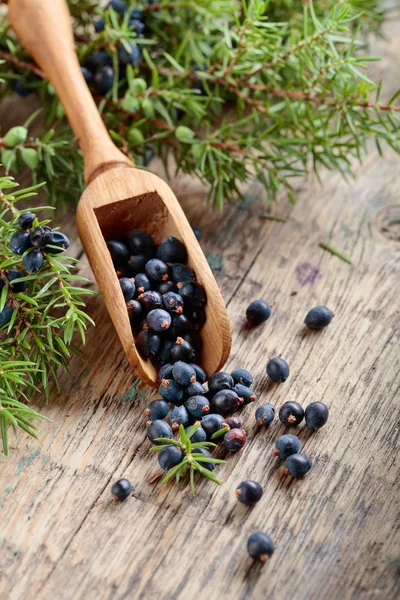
337,531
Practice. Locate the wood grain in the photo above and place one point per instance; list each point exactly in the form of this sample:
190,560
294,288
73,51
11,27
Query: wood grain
337,531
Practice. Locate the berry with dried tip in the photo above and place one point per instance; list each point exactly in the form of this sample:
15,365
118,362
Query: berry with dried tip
135,310
225,401
265,414
182,273
158,429
156,410
193,294
121,489
142,283
183,373
197,406
172,250
291,413
5,315
260,546
169,457
234,422
258,312
182,350
245,393
198,436
220,381
212,423
25,220
195,389
316,414
148,343
40,236
286,445
243,377
171,390
173,302
249,492
156,270
200,373
150,300
127,287
206,465
278,370
159,320
235,439
20,241
318,317
119,252
297,465
179,416
140,242
33,261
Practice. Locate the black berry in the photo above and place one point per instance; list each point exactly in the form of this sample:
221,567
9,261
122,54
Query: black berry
260,546
172,250
291,413
249,492
121,489
26,219
278,370
318,317
316,414
258,312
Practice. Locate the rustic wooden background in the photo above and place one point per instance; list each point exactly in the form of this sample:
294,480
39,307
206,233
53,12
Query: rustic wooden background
337,531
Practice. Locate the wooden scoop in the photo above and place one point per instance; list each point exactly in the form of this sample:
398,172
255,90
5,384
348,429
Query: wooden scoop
118,197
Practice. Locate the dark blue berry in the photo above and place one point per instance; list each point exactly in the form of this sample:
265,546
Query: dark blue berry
159,320
119,252
172,250
19,87
164,355
245,393
20,287
100,58
128,288
137,14
26,219
278,370
135,310
179,416
121,489
204,452
183,373
137,26
235,439
148,343
291,413
156,410
180,325
258,312
5,315
169,457
318,317
200,374
166,371
260,546
118,5
286,445
198,318
195,389
249,492
33,261
220,381
142,283
297,465
159,429
242,376
87,75
181,273
197,406
182,350
165,286
156,270
198,436
150,300
137,263
212,423
195,340
173,302
40,236
316,414
225,401
197,232
193,294
20,242
58,239
171,390
99,25
103,79
140,242
233,422
265,414
129,56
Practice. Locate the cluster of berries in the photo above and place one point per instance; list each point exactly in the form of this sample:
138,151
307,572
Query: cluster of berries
166,304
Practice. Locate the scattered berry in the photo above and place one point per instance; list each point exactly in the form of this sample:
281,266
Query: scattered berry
183,373
26,219
249,492
245,393
182,350
220,381
234,422
121,489
119,252
242,376
258,312
197,406
169,457
212,423
20,242
159,320
195,389
127,287
297,465
235,439
291,413
225,401
318,317
265,414
172,250
156,410
286,445
316,414
171,390
179,416
158,429
278,370
260,546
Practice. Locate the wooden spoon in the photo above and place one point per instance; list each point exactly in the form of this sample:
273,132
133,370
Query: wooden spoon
118,197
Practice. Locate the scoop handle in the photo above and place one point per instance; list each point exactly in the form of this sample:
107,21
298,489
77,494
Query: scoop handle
44,29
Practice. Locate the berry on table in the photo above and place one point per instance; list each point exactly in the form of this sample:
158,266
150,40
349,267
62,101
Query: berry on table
245,393
148,343
140,242
127,287
249,492
159,320
316,414
182,350
121,489
291,413
179,416
198,436
5,315
183,373
103,79
278,370
235,439
257,312
142,283
197,406
169,457
156,270
171,390
242,376
200,374
220,381
225,401
26,219
173,302
195,389
318,317
297,465
150,300
158,429
265,414
193,294
172,250
119,252
33,261
20,241
157,410
212,423
286,445
260,546
233,422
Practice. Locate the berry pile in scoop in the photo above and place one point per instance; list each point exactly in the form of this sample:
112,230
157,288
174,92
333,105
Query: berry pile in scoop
165,302
33,241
